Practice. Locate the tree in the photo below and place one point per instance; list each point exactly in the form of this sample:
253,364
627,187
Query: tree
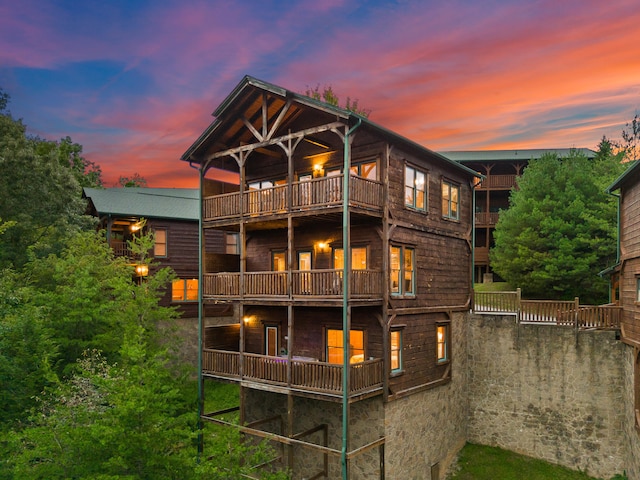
631,138
559,231
327,95
136,180
40,191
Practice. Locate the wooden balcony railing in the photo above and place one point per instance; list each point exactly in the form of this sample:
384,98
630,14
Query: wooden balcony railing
305,195
120,249
555,312
486,218
311,376
305,283
498,181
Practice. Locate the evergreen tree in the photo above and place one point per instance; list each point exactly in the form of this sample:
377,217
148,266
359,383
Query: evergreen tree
559,231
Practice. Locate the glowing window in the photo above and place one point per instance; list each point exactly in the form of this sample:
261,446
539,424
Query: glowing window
160,246
442,343
335,350
396,350
450,200
358,258
184,290
402,270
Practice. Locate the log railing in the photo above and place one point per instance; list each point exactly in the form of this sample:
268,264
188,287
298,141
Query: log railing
498,181
312,376
305,283
305,195
487,218
555,312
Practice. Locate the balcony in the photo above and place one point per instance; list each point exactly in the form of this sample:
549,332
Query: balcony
306,375
500,182
485,219
305,284
305,196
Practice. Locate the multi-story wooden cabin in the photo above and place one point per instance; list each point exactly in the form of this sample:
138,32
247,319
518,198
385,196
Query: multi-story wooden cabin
625,275
351,285
172,214
500,169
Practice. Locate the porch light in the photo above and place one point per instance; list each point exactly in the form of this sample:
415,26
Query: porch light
322,246
246,319
142,270
135,227
318,170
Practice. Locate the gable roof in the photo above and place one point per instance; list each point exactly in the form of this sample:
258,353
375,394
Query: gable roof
171,203
511,155
241,104
625,177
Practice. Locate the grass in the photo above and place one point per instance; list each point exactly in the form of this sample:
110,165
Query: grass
477,462
493,287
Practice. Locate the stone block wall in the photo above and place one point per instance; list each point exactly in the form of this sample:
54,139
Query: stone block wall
541,391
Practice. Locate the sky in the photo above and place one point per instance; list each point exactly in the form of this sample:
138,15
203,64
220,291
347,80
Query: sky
135,82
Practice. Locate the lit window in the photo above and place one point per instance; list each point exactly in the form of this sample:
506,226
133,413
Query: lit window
335,351
442,343
415,188
278,262
184,290
358,258
402,270
450,200
368,170
396,350
160,246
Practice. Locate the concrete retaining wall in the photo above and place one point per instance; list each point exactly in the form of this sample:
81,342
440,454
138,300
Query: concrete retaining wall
541,391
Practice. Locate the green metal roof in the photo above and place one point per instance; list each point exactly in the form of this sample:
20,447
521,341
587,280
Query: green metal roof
634,167
511,155
174,203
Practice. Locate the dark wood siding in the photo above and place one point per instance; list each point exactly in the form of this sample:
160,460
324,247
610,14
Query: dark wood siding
419,352
630,256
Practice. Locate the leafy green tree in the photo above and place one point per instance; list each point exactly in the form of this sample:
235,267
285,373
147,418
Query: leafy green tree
327,95
560,228
39,191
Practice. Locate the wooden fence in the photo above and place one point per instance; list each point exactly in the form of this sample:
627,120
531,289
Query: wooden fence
553,312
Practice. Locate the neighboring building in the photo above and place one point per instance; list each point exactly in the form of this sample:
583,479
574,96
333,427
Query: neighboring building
501,169
626,280
172,214
384,270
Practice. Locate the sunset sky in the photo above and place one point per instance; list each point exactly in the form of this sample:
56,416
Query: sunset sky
135,82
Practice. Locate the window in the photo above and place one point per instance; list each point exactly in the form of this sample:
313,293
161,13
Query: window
358,258
368,170
335,351
232,245
415,188
184,290
278,261
638,289
450,200
442,343
396,351
402,268
160,246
